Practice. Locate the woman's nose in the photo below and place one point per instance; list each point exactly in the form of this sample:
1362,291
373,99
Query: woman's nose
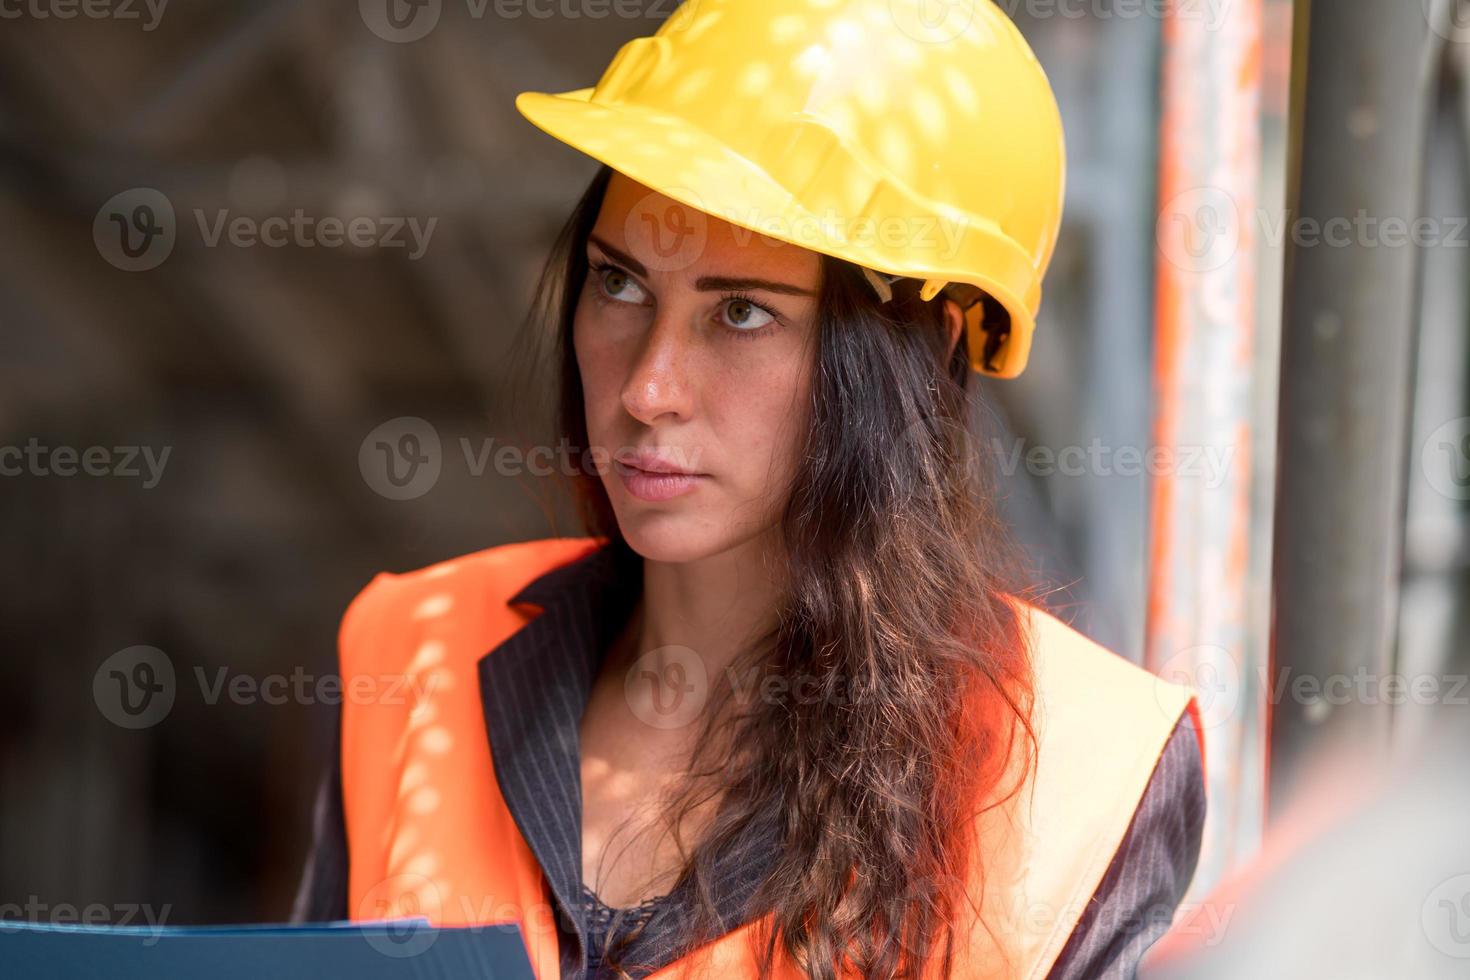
657,385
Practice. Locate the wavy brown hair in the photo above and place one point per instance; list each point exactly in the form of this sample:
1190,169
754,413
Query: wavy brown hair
916,712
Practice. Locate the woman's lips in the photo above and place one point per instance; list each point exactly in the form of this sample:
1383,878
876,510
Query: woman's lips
654,486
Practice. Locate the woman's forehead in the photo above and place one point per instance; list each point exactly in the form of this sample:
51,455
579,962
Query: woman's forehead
666,235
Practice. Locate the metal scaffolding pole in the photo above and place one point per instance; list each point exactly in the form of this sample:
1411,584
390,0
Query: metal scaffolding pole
1359,115
1199,517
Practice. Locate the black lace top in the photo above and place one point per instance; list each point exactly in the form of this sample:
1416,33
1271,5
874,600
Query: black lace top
608,925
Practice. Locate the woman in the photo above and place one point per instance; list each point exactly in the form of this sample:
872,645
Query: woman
785,712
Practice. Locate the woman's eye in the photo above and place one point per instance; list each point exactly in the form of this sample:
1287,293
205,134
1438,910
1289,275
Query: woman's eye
742,314
618,285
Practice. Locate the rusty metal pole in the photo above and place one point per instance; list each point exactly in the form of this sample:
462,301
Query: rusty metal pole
1360,108
1199,506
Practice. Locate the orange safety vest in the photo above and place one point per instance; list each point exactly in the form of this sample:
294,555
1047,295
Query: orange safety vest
430,834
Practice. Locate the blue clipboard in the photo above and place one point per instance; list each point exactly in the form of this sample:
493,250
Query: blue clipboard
392,950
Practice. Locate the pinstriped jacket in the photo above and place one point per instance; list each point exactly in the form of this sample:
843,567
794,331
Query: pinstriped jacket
1130,909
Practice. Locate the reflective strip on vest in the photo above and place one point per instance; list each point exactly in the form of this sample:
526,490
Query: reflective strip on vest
430,834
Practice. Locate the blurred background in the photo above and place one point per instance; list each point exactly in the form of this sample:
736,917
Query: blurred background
247,243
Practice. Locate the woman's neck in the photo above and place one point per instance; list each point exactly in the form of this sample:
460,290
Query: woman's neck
716,606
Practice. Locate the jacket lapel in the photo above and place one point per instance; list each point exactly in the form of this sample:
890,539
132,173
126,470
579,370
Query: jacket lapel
534,687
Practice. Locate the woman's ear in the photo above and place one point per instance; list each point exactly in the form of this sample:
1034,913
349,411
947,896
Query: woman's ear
954,318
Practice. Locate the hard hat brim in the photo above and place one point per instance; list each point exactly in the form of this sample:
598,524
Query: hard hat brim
667,154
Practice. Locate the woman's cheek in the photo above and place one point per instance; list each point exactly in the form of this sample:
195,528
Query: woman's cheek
598,366
771,417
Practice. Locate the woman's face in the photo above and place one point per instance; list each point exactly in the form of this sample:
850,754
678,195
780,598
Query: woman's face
695,342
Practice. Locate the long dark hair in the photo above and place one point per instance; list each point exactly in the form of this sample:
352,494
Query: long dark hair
899,613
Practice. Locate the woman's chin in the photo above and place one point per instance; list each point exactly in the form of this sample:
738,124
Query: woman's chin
665,535
669,537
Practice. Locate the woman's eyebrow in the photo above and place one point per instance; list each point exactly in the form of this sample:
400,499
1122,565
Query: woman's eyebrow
704,283
714,283
630,263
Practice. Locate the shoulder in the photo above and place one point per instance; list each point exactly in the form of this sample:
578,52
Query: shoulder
1088,695
1073,664
504,568
1149,873
1115,782
1114,806
1116,736
480,580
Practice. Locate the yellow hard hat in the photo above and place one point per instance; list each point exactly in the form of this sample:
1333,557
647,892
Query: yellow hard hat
914,139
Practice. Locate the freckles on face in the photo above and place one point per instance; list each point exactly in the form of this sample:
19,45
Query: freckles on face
695,340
